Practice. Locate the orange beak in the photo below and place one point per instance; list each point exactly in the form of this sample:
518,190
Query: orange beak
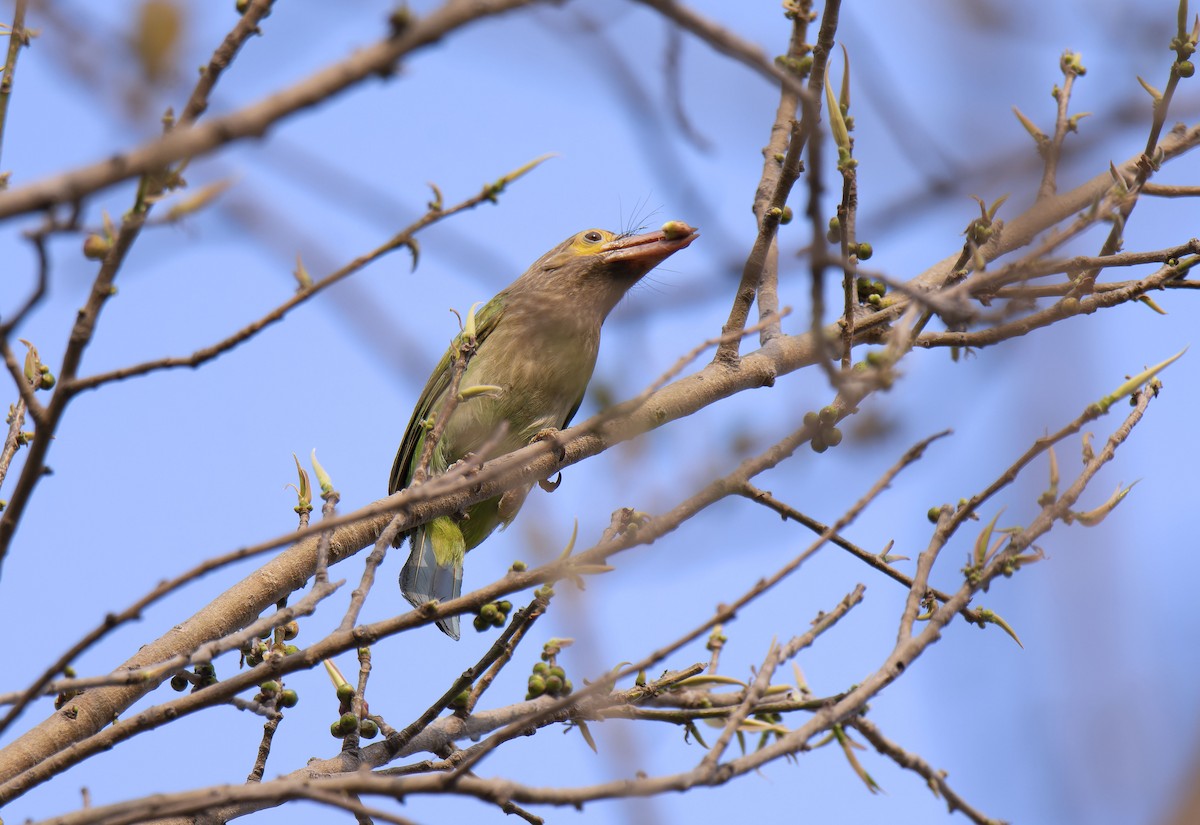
652,248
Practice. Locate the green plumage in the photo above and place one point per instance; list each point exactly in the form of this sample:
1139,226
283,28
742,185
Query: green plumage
537,341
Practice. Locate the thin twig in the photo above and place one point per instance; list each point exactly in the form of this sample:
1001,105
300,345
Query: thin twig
499,649
404,238
910,761
155,180
1162,190
264,747
17,37
1051,149
521,624
873,560
12,438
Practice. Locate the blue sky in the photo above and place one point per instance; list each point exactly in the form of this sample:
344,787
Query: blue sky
1090,722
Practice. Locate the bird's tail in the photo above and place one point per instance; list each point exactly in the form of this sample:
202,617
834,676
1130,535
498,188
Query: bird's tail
434,569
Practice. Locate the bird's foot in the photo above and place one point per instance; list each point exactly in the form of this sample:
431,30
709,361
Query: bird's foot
551,434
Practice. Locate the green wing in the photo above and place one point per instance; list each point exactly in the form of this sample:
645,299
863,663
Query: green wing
411,447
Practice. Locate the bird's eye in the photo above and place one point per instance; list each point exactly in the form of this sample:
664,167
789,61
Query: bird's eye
593,236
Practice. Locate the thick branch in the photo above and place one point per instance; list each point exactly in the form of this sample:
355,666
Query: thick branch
378,59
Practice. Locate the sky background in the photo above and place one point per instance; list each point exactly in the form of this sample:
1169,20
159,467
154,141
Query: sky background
1093,721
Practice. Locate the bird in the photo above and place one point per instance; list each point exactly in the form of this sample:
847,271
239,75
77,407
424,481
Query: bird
535,348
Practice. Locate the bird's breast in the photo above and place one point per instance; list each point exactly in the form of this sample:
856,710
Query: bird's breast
541,371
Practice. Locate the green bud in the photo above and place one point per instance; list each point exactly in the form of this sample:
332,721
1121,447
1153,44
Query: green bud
289,698
553,685
828,415
979,232
558,671
368,729
504,606
934,514
537,686
541,668
289,650
460,701
785,216
519,567
345,692
834,437
811,419
488,612
864,252
480,624
818,443
1185,68
291,630
479,390
269,688
399,20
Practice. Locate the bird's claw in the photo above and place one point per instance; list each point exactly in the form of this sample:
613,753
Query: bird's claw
550,434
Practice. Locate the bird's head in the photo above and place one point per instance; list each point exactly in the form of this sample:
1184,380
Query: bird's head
593,269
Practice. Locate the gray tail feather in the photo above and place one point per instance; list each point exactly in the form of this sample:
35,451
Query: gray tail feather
423,579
